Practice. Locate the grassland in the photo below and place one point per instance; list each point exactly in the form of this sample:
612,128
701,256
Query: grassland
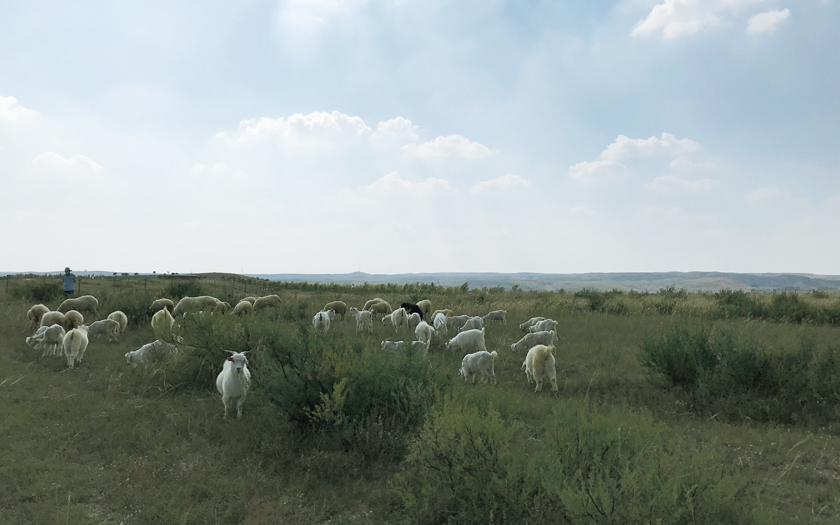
106,443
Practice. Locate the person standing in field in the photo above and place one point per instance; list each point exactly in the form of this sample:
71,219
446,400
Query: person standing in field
69,282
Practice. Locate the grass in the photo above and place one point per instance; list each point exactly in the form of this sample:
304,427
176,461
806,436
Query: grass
106,443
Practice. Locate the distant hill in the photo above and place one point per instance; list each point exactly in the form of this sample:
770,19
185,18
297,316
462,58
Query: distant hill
641,281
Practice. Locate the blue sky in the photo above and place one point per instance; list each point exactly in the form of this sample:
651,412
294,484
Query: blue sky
398,136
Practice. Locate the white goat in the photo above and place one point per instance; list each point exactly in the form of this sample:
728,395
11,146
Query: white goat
479,363
539,364
420,347
364,319
414,320
471,340
529,323
162,323
534,338
234,381
424,332
495,315
49,338
440,323
546,325
398,318
473,323
321,321
107,327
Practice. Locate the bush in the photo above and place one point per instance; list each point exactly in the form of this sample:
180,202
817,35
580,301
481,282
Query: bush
738,378
38,290
180,289
470,466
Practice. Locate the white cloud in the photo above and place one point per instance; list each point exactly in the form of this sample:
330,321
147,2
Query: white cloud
302,128
11,110
677,18
611,162
686,165
767,22
53,161
657,212
397,128
219,168
671,184
393,183
764,194
504,182
449,146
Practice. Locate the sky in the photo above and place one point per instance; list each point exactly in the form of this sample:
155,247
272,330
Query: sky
405,136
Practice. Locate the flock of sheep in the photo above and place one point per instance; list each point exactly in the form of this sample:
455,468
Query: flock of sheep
64,332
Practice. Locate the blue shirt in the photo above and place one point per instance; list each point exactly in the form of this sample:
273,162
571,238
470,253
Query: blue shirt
69,282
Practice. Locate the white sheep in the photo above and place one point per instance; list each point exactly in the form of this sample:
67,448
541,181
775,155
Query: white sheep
424,332
221,307
107,327
539,364
149,354
457,321
75,343
534,338
529,323
121,318
546,325
162,324
321,321
85,303
420,347
234,381
473,323
73,319
414,320
49,338
381,307
251,300
426,306
495,315
157,304
339,307
373,301
479,364
35,313
243,307
268,301
193,305
398,319
364,319
446,313
471,340
51,318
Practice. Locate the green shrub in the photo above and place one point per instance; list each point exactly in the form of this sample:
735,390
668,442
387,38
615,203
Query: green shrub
471,466
179,289
39,290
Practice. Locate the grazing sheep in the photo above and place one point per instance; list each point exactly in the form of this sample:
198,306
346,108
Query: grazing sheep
51,318
321,321
364,319
85,303
426,308
534,338
414,320
149,354
35,313
495,315
162,323
243,307
479,363
457,321
107,327
446,313
529,323
75,343
73,319
157,304
268,301
473,323
221,307
420,347
440,323
339,307
234,381
193,305
412,308
331,313
471,340
121,318
539,364
49,338
424,332
373,301
251,300
398,319
381,307
546,325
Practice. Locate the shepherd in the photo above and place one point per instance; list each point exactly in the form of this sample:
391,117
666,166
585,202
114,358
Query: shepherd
69,282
